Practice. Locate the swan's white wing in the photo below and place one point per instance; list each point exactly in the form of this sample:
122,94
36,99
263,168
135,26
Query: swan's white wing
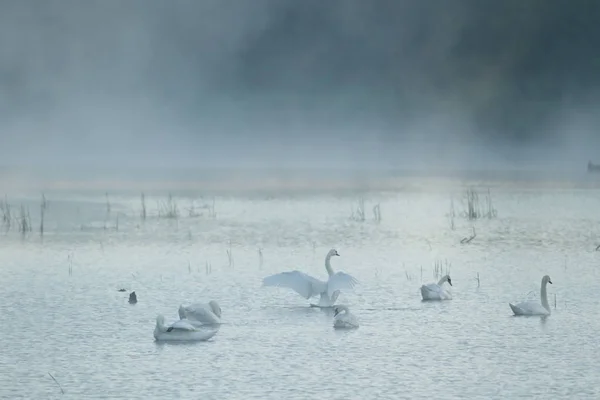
201,313
432,287
340,281
305,285
183,325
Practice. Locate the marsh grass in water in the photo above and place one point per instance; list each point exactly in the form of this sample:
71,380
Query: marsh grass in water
96,344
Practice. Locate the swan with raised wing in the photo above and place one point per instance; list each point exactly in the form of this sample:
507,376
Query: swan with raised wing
307,286
343,318
436,291
180,331
533,307
201,313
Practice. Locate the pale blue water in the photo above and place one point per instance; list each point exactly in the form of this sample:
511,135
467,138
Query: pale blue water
272,345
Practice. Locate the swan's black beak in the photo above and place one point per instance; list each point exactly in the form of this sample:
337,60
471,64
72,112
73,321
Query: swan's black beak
336,312
450,281
549,281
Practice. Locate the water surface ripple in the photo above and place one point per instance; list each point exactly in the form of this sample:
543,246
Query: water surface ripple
80,329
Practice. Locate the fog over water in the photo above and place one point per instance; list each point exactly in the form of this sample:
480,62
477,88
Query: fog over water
343,84
185,150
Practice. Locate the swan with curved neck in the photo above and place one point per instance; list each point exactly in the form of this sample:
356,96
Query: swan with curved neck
307,286
179,331
436,291
201,314
331,253
533,307
343,318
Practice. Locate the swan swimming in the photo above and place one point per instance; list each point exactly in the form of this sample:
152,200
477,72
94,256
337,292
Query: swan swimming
307,286
343,319
533,307
180,331
199,313
435,291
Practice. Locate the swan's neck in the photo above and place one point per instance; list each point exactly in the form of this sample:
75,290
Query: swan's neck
441,282
216,310
160,326
328,265
544,296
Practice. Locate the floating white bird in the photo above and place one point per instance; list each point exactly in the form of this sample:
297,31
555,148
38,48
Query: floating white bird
180,331
343,319
307,286
533,307
201,313
435,291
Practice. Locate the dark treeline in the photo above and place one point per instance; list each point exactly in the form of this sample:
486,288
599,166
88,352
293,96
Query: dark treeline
509,64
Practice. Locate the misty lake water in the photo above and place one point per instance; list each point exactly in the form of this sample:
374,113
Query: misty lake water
62,313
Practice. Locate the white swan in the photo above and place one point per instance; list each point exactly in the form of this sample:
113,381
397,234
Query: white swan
203,314
435,291
179,331
343,319
533,307
307,286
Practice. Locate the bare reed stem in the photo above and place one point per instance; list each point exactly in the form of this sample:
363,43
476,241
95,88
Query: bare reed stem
470,238
168,209
54,379
230,256
43,207
6,213
143,213
377,212
359,213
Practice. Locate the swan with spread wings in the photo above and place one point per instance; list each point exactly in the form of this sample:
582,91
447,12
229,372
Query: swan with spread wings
307,286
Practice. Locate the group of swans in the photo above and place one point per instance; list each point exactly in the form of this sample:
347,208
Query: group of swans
328,292
192,319
308,287
198,315
436,291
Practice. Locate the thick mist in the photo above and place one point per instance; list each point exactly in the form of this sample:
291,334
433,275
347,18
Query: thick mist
415,85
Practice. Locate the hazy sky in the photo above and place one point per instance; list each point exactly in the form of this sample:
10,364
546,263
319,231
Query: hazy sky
342,83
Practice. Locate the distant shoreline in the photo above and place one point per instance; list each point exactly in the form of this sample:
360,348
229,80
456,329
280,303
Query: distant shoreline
275,180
